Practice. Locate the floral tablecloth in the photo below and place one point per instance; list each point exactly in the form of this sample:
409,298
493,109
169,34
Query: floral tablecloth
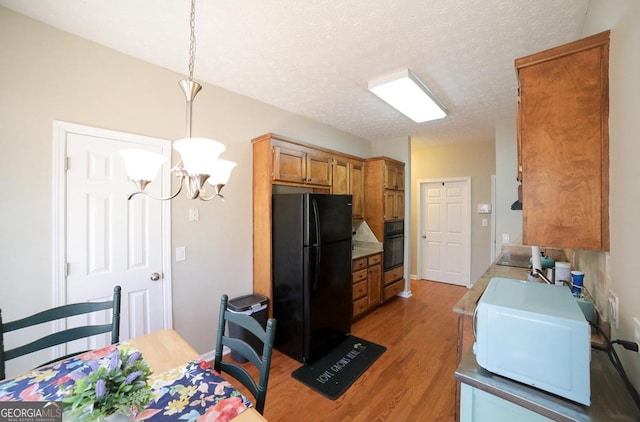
192,392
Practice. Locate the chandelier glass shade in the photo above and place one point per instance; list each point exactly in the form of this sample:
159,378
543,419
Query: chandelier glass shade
199,157
141,164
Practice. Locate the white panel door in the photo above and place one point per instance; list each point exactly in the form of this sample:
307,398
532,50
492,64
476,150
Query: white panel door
111,240
445,231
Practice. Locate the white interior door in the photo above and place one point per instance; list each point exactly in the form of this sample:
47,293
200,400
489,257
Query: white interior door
446,236
109,240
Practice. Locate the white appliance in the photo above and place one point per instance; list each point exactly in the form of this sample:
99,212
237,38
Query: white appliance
536,334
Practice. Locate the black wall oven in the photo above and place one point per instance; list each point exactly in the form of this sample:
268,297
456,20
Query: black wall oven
393,244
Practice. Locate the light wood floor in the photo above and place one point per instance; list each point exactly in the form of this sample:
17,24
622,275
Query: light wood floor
412,381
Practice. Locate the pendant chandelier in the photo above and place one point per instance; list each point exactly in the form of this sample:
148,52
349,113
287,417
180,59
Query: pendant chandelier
199,163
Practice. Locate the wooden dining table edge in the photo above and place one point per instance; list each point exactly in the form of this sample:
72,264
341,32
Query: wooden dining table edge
166,349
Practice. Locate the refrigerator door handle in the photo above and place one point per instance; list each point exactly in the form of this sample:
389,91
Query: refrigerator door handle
317,245
316,219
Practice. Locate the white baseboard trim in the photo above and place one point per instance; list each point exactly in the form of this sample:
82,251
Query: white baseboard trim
405,293
414,277
211,355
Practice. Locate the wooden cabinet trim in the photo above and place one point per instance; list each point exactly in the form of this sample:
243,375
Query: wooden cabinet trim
359,290
393,289
360,306
562,50
374,259
367,283
279,140
359,275
359,264
587,61
393,274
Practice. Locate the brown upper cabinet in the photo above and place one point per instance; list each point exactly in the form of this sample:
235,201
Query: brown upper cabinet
384,190
563,144
356,182
282,163
301,165
348,178
393,176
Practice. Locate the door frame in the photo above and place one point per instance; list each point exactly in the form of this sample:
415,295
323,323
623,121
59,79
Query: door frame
59,179
421,215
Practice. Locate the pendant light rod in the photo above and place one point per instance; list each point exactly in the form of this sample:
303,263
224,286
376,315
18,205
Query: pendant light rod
189,87
199,163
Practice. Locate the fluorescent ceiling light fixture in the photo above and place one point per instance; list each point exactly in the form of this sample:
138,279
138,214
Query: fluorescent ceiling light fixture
406,93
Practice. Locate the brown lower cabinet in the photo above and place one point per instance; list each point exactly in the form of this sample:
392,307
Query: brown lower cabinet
393,282
367,283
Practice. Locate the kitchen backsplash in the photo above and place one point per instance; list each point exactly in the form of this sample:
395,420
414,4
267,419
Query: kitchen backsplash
595,265
363,233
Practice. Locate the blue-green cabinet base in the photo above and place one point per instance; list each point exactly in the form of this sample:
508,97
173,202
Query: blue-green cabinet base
479,406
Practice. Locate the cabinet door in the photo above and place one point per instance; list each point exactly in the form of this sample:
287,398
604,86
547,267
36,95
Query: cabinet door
389,203
398,206
562,116
356,179
393,176
390,176
340,177
375,282
318,169
400,179
289,165
393,205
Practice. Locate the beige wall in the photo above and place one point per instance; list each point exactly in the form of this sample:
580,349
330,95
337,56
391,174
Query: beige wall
47,75
476,160
617,269
621,267
508,221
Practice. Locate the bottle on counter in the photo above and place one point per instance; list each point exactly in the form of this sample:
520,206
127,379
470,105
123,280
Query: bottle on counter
563,273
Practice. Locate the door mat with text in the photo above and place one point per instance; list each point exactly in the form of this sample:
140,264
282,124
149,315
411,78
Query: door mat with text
334,373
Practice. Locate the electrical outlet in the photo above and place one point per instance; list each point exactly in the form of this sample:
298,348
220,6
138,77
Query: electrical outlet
613,309
505,237
636,331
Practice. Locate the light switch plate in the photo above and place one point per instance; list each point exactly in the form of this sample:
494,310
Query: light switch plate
181,253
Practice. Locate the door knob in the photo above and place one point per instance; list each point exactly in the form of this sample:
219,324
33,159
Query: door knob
424,236
154,276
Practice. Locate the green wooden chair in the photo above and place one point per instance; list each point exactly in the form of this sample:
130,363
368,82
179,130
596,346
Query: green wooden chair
63,336
259,390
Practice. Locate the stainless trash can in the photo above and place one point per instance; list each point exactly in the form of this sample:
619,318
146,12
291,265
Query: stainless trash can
256,306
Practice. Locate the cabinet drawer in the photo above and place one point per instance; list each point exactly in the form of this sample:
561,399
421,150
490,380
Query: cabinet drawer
359,264
393,274
394,288
359,276
359,290
359,306
375,259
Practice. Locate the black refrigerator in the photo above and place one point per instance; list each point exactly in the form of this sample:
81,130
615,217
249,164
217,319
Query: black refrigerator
311,272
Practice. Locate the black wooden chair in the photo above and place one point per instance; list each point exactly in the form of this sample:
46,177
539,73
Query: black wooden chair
63,336
267,337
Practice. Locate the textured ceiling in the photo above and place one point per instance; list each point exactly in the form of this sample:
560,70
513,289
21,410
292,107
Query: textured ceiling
315,57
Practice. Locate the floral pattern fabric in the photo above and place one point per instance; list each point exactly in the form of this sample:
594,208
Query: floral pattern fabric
192,392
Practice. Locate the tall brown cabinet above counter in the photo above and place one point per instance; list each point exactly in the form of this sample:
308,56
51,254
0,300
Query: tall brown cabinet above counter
384,192
563,144
279,162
